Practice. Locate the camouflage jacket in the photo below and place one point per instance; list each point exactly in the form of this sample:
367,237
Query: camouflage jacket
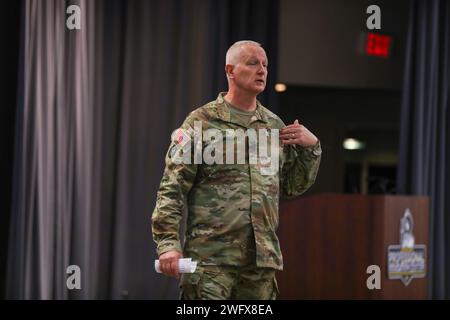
232,208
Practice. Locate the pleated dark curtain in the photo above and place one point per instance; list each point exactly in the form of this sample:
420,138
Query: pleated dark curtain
10,35
424,167
93,124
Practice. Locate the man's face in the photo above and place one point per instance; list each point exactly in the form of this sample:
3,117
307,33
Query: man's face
250,73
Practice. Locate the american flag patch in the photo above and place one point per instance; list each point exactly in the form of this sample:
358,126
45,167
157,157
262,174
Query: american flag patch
181,137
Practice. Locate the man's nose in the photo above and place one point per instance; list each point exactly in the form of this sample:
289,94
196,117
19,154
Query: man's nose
262,69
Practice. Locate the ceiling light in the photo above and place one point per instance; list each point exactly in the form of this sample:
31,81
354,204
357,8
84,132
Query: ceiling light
353,144
280,87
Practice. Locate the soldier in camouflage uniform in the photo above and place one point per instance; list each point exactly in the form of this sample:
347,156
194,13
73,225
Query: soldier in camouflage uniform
232,208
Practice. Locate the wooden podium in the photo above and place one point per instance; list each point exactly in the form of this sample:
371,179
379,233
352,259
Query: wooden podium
329,240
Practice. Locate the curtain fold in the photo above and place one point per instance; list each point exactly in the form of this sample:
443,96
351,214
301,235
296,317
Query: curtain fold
99,105
424,166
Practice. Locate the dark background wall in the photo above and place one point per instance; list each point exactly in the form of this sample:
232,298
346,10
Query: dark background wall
338,92
319,43
334,114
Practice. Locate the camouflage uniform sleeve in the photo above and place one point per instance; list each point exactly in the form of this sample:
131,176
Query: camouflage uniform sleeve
177,181
300,169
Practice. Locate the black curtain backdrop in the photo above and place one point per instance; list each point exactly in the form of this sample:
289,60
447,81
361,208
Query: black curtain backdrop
94,120
10,34
424,167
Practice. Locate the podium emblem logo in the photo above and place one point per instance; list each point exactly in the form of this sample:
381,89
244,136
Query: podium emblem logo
407,260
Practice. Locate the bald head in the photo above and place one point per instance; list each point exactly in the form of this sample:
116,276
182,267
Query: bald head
246,68
235,51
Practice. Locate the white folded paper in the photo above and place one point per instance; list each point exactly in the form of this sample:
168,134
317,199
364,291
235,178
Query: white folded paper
185,265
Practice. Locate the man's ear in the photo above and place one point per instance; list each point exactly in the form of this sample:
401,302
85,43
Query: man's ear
229,71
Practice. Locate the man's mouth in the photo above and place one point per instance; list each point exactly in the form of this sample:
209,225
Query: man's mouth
260,81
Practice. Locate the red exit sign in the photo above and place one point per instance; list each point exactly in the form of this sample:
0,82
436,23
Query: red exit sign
378,45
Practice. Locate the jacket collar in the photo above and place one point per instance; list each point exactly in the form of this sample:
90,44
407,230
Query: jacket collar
223,113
